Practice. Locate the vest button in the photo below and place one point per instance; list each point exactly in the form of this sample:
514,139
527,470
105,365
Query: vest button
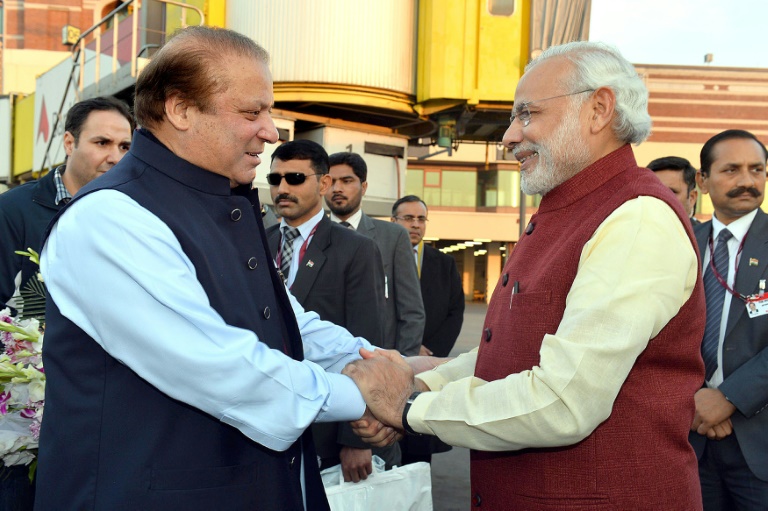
292,463
529,229
476,500
252,263
236,215
505,279
267,313
487,332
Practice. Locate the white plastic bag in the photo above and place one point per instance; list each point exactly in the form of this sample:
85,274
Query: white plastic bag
407,488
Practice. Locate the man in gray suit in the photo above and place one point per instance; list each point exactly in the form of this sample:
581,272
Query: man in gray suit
332,271
404,311
729,433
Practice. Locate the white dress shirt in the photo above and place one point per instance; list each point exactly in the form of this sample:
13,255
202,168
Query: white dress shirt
739,229
354,220
305,231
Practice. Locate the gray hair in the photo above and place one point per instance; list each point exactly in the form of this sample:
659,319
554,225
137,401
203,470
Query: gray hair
601,65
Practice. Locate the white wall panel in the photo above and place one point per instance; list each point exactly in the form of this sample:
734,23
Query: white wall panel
369,43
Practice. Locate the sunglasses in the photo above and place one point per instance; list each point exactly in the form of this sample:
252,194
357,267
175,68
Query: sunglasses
292,178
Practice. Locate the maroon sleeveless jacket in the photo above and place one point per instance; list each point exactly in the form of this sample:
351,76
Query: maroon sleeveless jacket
639,458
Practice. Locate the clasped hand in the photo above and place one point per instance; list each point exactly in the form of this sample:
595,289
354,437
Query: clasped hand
385,380
713,414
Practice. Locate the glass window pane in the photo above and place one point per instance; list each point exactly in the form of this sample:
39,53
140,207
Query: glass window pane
414,182
459,189
509,188
432,178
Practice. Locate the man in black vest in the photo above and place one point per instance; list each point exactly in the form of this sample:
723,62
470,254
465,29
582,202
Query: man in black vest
174,355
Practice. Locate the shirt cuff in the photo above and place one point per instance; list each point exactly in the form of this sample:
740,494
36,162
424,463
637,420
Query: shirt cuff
418,411
345,402
433,379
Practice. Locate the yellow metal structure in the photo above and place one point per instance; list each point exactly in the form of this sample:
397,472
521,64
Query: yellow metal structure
177,17
23,134
465,54
215,13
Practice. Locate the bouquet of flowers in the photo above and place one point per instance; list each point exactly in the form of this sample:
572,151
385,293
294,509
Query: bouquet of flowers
22,380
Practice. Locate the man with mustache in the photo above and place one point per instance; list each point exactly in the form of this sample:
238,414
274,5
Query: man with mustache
728,432
403,310
580,395
332,271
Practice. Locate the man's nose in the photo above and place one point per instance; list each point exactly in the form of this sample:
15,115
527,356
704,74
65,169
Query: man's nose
114,154
513,135
269,132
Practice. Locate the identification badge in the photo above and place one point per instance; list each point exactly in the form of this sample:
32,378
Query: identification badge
757,305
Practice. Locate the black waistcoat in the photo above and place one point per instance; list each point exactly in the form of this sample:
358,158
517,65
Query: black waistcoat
112,441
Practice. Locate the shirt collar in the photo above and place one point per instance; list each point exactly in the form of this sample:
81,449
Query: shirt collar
354,220
61,191
306,228
738,227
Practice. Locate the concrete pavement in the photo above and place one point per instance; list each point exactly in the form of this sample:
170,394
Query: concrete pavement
450,470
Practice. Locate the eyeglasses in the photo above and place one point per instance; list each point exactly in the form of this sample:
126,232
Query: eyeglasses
523,114
292,178
409,219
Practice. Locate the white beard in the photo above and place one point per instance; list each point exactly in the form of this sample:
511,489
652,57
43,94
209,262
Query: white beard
560,157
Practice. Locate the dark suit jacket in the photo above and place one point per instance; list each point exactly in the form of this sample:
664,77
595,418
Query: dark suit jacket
443,301
745,351
340,278
25,212
404,311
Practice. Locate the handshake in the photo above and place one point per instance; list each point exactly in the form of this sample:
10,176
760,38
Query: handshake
386,380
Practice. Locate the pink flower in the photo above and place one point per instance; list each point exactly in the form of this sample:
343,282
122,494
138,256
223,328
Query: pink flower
4,398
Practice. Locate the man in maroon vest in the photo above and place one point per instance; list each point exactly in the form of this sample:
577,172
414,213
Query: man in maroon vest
580,395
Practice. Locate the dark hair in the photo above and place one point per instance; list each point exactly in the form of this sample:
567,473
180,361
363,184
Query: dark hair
303,150
679,164
191,64
403,200
78,114
354,160
707,157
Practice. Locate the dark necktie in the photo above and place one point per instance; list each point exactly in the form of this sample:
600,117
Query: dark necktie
715,295
347,225
286,252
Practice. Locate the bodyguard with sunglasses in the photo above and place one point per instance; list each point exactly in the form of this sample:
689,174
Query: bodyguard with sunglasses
330,270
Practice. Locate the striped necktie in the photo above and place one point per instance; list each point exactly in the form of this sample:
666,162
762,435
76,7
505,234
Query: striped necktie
715,295
286,252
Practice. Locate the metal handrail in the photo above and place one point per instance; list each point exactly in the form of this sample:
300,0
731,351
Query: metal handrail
78,52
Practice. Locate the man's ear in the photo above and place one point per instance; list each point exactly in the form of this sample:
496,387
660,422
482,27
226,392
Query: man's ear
364,186
69,143
703,181
177,111
602,109
692,199
325,184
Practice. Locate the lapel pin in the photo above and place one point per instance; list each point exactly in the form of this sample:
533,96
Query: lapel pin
310,263
753,261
